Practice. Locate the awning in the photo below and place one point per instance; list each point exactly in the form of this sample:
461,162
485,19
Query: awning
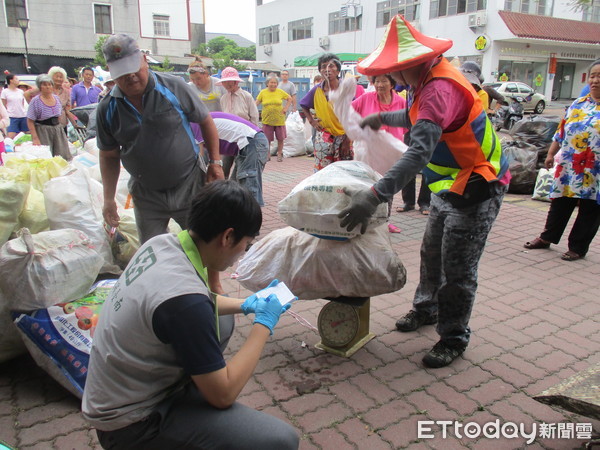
551,28
306,61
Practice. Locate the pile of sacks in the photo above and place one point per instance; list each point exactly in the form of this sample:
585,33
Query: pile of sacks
315,256
54,246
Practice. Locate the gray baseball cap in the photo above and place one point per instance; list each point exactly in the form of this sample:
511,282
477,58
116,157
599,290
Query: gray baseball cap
123,55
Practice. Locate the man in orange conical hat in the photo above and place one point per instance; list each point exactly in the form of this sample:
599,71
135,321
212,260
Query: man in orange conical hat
454,144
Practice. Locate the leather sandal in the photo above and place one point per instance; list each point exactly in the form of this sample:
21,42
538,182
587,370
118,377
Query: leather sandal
570,256
404,208
536,243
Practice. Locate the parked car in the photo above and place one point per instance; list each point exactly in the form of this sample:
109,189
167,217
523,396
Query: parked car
534,101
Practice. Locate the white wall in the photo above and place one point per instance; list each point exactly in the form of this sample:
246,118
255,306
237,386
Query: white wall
178,17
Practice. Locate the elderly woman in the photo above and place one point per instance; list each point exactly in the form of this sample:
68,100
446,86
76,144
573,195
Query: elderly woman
59,76
273,113
577,176
43,119
331,142
235,101
207,87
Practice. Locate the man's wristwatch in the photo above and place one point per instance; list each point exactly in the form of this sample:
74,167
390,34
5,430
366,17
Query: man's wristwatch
218,162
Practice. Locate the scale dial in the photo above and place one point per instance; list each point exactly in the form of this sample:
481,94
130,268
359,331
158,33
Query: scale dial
338,324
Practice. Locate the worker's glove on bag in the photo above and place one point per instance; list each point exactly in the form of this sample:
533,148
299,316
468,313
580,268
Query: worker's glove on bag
363,203
372,121
268,311
249,305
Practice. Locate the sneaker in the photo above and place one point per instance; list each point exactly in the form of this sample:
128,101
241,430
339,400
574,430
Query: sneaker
443,354
414,320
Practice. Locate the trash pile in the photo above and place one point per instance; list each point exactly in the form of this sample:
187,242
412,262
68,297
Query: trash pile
527,149
54,247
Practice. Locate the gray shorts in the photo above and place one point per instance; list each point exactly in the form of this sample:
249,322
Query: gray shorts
153,209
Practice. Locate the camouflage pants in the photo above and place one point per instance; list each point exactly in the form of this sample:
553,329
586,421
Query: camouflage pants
452,246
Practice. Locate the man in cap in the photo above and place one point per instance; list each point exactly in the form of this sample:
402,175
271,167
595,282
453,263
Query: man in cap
144,123
455,145
472,72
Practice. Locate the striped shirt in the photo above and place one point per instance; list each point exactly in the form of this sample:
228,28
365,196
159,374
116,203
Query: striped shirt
38,110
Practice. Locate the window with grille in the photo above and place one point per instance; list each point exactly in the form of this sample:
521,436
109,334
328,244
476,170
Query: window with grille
300,29
441,8
591,12
268,35
340,24
161,25
102,22
388,9
15,9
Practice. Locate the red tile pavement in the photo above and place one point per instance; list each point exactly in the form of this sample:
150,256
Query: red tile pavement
535,322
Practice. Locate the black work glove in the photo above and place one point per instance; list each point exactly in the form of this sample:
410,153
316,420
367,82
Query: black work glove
372,121
362,206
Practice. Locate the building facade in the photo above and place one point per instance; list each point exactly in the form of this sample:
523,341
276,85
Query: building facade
547,44
65,32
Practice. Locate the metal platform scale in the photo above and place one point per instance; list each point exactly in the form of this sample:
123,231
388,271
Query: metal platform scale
343,325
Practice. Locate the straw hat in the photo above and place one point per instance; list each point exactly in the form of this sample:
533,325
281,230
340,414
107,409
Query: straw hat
402,47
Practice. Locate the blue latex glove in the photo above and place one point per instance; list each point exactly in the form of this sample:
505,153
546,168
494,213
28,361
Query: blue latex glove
249,305
363,204
268,311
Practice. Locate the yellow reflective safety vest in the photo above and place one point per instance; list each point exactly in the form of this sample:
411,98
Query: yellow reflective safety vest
472,148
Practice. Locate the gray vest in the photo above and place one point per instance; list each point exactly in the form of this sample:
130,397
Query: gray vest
130,369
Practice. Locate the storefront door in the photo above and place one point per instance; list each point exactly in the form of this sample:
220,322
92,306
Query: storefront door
563,81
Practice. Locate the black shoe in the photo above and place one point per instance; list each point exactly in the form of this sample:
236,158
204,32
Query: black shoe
443,354
414,320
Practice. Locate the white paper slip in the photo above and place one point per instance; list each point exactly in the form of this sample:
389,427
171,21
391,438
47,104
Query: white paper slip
281,291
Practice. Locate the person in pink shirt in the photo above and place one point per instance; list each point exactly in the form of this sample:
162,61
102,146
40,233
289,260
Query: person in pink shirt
382,99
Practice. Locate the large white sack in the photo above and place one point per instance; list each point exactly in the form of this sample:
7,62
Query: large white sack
317,268
379,149
75,201
314,204
293,145
37,271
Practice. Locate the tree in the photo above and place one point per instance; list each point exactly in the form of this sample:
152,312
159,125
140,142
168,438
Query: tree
224,52
164,67
99,60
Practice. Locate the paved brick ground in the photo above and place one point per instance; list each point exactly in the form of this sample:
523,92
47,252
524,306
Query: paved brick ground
535,323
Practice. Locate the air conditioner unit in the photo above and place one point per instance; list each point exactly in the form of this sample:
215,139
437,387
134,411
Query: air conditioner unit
268,49
324,42
351,11
478,19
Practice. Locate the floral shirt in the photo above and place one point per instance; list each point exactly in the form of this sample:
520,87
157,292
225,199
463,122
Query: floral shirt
578,171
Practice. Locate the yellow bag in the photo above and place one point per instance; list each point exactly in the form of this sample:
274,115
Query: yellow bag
41,170
33,215
14,188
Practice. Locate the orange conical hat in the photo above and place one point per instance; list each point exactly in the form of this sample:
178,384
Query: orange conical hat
402,47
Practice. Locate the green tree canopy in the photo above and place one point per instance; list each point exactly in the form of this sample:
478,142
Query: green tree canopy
224,52
99,60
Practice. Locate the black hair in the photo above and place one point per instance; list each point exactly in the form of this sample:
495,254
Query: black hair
594,63
326,57
87,68
221,205
9,78
388,76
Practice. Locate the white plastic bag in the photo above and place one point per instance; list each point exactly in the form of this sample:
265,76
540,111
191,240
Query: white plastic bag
75,201
37,271
293,145
317,268
543,184
378,149
313,205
